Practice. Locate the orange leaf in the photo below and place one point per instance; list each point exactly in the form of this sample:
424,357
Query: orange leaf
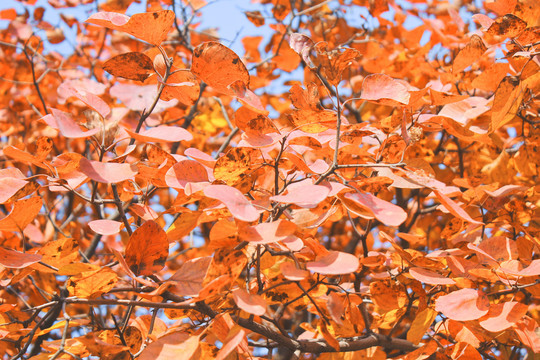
219,67
183,86
508,98
109,173
382,89
334,263
291,272
92,283
23,213
150,27
420,325
131,65
463,305
508,25
147,249
250,303
16,259
469,54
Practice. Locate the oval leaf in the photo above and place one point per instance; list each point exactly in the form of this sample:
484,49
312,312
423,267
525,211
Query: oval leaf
150,27
334,263
147,249
105,227
234,200
463,305
16,259
131,65
108,173
250,303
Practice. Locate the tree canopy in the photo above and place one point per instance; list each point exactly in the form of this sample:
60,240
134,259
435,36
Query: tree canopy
360,183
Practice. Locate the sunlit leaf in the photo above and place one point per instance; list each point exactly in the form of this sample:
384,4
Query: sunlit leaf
334,263
16,259
150,27
463,305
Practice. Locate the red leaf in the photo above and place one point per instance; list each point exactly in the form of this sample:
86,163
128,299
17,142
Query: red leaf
382,89
250,303
108,173
150,27
463,305
334,263
16,259
234,200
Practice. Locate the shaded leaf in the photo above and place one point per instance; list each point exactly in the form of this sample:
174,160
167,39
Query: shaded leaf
250,303
131,65
147,249
16,259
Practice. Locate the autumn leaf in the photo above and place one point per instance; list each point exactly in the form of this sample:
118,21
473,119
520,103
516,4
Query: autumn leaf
131,65
463,305
219,67
16,259
108,173
384,90
23,213
334,263
469,54
251,303
147,249
234,200
150,27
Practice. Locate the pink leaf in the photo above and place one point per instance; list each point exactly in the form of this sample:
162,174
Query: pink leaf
66,90
463,305
303,194
189,278
234,200
16,259
105,227
161,133
231,344
302,45
334,263
66,125
139,98
503,315
267,233
9,187
185,172
430,277
107,172
382,89
291,272
527,331
250,303
384,211
454,208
